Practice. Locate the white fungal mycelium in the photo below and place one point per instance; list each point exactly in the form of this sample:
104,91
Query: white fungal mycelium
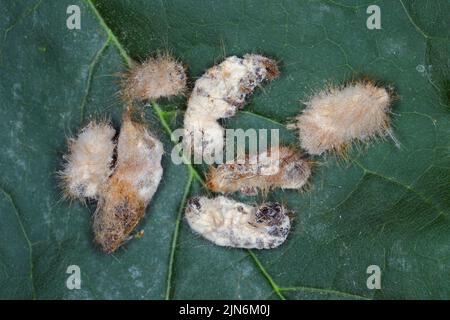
279,167
226,222
218,94
123,190
335,117
88,163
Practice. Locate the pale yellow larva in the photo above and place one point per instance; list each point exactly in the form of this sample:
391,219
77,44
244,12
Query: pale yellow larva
335,117
88,164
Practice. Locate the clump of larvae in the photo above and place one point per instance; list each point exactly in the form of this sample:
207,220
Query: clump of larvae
122,189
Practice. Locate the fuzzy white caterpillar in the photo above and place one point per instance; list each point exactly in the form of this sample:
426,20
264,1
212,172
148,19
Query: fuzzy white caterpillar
88,164
226,222
277,168
337,116
218,94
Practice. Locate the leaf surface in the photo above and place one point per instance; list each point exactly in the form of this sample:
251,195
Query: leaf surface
384,206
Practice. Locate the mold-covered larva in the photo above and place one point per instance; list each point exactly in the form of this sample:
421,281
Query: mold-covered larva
130,188
123,189
88,163
280,167
160,76
337,116
218,94
226,222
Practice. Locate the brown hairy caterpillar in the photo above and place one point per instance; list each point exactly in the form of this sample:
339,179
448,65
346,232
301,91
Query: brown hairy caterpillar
218,94
226,222
160,76
280,167
335,117
88,164
123,192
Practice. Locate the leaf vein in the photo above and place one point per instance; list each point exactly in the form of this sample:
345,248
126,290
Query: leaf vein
405,186
175,237
91,69
325,291
27,239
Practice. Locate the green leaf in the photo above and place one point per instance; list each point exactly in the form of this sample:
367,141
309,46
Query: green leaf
385,206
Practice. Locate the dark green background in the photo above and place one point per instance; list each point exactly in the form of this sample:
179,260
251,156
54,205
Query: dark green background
384,206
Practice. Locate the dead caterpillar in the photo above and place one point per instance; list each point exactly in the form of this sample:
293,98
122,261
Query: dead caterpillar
88,164
277,168
335,117
226,222
160,76
218,94
128,188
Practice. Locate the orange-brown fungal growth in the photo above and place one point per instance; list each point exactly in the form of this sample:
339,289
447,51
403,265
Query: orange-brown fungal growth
337,116
124,190
278,168
130,188
160,76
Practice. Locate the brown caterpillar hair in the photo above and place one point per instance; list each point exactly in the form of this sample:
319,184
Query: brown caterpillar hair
159,76
261,171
